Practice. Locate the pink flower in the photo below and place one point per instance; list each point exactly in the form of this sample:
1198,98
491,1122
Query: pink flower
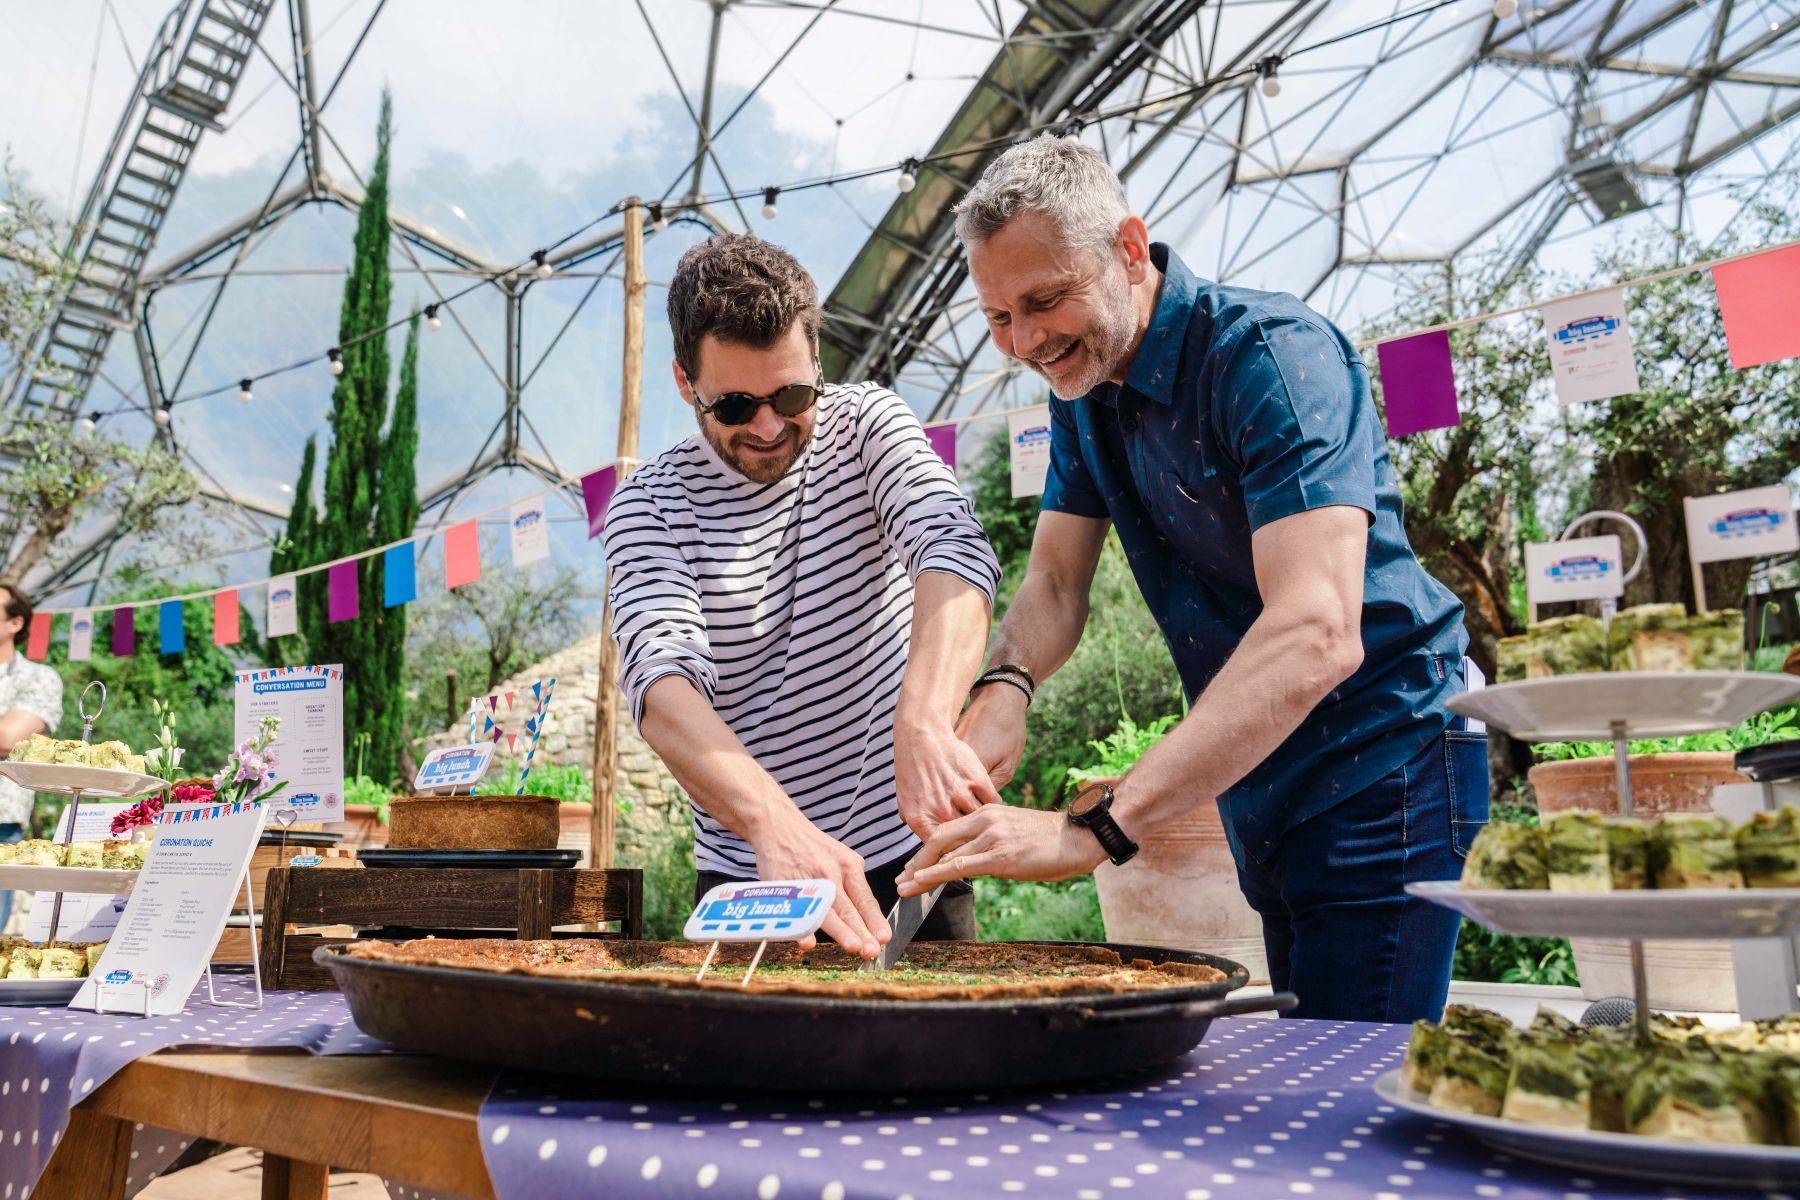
142,814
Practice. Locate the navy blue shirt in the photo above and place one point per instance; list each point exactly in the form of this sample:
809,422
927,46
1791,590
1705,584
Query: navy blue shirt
1241,408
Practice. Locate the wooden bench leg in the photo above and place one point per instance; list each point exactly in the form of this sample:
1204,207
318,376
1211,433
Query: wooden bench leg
91,1162
291,1179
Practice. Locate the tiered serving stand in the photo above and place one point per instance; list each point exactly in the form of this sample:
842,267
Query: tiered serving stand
1618,707
78,783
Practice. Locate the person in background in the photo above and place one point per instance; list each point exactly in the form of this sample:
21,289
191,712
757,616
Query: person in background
800,594
30,703
1228,435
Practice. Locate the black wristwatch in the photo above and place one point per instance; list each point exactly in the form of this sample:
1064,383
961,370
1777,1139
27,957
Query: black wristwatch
1092,810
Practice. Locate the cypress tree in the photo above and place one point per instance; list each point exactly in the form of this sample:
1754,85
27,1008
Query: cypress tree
360,509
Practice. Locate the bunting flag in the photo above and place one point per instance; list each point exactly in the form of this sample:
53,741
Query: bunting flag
943,440
124,632
37,642
225,617
509,700
530,526
284,611
1758,297
596,493
1591,356
1418,383
341,600
171,633
462,554
81,635
399,579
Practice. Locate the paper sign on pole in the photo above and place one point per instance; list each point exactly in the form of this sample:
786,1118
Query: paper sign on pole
284,611
530,532
1747,524
1590,568
453,767
309,749
1028,436
772,910
1591,356
177,910
81,635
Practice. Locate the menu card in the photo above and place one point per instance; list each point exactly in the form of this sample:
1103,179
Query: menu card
86,916
309,750
176,913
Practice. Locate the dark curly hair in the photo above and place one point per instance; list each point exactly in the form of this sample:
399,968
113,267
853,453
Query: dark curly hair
740,289
15,603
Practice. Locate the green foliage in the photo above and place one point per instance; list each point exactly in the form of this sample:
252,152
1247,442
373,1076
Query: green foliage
566,782
1776,725
1120,750
1010,910
1483,956
369,494
360,789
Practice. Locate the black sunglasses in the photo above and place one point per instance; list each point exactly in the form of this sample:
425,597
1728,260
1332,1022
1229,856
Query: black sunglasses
739,408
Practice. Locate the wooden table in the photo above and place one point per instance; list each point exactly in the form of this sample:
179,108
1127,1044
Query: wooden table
404,1117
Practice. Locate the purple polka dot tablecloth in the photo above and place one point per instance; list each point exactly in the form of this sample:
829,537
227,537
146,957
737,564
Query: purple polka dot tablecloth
52,1058
1262,1110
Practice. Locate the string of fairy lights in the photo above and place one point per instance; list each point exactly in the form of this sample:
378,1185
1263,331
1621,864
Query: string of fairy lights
1264,72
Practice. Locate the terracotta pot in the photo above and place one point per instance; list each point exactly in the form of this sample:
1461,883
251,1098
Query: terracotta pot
1182,891
360,827
1692,976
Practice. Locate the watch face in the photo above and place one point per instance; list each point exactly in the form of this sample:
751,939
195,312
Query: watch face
1086,800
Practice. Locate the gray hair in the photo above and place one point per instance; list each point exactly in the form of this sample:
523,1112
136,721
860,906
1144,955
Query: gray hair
1067,181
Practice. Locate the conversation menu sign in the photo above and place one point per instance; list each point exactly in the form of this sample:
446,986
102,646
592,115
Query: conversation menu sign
176,913
309,749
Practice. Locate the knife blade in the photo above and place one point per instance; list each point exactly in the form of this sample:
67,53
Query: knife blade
908,915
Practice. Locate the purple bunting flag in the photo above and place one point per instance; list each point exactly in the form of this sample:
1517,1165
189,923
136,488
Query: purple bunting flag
1418,383
943,440
341,601
596,492
124,632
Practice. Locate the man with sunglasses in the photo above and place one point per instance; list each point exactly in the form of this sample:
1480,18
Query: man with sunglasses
800,596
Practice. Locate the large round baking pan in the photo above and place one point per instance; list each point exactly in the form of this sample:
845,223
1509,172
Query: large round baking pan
722,1038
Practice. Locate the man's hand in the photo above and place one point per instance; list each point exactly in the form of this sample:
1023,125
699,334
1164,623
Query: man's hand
792,847
938,777
1013,843
994,727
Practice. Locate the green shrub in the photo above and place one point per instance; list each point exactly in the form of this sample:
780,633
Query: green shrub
1011,910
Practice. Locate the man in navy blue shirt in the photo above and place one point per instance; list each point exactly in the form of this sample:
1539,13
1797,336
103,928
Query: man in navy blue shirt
1229,437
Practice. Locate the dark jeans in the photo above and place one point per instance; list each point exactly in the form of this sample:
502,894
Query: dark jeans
10,833
951,919
1341,932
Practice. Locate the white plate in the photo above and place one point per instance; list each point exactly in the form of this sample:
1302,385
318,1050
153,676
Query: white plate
20,878
1651,703
38,993
99,783
1664,1160
1677,913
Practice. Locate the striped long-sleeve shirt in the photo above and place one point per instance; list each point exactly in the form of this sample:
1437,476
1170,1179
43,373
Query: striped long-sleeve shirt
789,605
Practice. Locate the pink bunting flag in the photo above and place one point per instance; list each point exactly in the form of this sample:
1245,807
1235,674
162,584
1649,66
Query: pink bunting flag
1418,383
509,700
943,440
124,632
596,493
37,643
512,740
341,600
225,618
1758,297
462,554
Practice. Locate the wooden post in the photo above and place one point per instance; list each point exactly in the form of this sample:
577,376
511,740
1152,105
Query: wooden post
631,395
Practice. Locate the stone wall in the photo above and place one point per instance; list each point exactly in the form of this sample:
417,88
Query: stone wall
649,797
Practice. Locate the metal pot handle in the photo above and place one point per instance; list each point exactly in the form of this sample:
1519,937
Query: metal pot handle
1230,1006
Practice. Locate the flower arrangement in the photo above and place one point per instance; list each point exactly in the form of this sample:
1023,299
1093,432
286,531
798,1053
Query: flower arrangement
250,766
142,815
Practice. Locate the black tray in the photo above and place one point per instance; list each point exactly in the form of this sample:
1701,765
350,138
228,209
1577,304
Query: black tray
722,1038
1773,763
498,859
301,838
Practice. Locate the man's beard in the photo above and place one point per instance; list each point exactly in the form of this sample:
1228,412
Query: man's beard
1104,343
763,468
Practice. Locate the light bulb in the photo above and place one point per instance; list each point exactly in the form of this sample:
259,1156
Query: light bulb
431,318
769,195
544,269
1271,86
162,417
244,396
1265,70
85,425
658,221
337,361
908,179
1505,8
